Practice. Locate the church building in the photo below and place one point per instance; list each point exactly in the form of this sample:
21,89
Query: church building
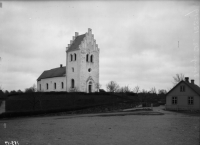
81,73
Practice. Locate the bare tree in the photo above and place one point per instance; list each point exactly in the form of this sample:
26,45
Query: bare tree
19,91
162,91
124,89
136,89
31,89
153,90
178,78
112,86
144,91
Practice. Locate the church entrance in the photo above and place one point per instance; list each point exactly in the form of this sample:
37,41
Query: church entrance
90,87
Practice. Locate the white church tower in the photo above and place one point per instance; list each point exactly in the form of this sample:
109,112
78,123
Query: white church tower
82,63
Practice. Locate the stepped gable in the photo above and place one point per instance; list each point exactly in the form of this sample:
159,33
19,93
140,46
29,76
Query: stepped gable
75,44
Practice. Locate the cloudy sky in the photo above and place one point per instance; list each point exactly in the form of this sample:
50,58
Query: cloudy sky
141,43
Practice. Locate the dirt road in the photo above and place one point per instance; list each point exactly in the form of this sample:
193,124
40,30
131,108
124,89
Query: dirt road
169,129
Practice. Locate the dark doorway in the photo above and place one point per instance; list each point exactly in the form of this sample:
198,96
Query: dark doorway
90,87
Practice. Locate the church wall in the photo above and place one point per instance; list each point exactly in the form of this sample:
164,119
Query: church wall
89,47
70,74
50,82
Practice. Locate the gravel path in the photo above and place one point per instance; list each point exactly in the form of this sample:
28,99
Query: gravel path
97,129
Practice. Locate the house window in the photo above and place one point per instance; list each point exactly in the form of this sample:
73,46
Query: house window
40,87
72,83
72,69
62,84
174,100
190,100
74,56
47,86
54,85
87,57
91,58
182,88
71,57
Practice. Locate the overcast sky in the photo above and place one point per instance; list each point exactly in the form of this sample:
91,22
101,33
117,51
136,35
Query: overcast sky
141,43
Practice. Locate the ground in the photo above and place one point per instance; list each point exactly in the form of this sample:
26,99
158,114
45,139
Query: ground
170,128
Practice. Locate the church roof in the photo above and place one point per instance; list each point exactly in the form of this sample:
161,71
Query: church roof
75,44
55,72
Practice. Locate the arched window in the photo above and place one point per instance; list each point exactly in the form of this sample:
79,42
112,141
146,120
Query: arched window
71,57
72,83
74,56
54,85
87,57
62,84
91,58
47,86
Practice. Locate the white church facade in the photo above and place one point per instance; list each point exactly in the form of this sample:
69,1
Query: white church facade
82,68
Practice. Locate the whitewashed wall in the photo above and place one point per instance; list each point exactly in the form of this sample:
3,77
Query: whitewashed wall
51,81
81,74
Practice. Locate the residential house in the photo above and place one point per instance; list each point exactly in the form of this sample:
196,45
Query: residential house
184,96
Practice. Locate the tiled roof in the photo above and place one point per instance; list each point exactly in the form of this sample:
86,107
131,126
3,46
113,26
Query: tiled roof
76,43
194,87
56,72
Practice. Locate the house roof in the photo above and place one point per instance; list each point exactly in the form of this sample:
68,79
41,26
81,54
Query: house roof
194,87
56,72
75,44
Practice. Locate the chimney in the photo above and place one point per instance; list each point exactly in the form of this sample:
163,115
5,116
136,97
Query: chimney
60,65
76,34
89,30
192,82
187,79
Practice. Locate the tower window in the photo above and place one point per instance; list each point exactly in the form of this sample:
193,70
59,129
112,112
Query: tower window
72,69
89,70
47,86
72,83
62,85
87,58
91,58
71,57
54,85
74,56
